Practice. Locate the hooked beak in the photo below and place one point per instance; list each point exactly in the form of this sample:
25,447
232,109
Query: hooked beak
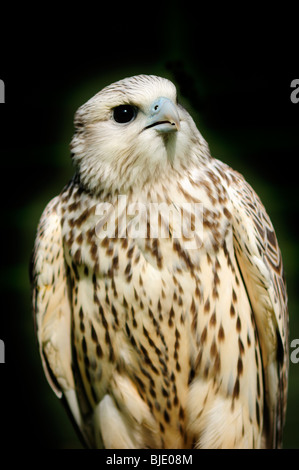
163,116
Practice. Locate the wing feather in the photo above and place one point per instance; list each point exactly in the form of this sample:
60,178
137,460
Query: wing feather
52,313
260,262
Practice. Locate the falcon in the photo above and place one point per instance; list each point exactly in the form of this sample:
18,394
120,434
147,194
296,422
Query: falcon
150,341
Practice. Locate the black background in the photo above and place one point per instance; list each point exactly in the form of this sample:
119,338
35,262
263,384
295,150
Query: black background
232,68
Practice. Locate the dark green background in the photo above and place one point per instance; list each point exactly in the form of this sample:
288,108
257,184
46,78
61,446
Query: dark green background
233,70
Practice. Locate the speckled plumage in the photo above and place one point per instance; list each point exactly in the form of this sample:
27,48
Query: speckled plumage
150,343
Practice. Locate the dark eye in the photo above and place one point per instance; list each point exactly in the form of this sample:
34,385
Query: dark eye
124,113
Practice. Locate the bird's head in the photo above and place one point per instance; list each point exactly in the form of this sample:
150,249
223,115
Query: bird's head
132,132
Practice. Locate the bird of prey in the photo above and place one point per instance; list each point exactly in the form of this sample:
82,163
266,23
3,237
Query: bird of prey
150,341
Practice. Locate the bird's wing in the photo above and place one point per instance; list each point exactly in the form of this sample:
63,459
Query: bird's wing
260,263
52,315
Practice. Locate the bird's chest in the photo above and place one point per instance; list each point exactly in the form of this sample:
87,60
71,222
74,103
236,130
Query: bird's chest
153,265
145,305
117,238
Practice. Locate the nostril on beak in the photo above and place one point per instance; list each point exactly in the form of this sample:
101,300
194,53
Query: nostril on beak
163,112
158,104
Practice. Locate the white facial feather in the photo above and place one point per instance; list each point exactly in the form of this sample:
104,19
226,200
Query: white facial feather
114,155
